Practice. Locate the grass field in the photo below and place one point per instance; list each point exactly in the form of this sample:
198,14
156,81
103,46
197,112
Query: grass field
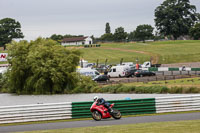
165,52
113,56
192,126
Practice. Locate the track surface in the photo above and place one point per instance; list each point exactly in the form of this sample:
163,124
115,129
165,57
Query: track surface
92,123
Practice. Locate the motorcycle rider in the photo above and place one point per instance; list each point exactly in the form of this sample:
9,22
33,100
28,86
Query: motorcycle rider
101,101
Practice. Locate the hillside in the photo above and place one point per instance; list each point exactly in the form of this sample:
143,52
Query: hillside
164,52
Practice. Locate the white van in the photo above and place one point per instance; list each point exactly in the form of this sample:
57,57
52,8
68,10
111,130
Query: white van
131,64
88,72
118,71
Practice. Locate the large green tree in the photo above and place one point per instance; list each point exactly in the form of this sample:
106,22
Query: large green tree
107,37
9,29
56,37
144,32
131,36
195,31
41,67
107,30
175,17
120,34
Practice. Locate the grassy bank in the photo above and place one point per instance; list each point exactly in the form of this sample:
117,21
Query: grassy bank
156,127
186,82
148,89
166,52
183,86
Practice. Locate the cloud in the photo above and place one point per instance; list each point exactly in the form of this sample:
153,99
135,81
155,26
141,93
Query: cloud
88,17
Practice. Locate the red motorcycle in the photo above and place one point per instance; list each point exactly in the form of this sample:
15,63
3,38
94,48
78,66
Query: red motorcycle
100,112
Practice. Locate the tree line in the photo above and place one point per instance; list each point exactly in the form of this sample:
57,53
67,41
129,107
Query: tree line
141,33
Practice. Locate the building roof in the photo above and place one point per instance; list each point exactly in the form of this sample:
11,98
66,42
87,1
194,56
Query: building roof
74,39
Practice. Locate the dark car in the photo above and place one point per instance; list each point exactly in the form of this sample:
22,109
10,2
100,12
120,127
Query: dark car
101,78
130,73
141,73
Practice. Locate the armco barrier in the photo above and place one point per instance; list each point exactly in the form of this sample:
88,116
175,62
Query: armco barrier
68,110
35,112
126,107
177,103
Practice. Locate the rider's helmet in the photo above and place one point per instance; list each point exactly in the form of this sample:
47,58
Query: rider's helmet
96,98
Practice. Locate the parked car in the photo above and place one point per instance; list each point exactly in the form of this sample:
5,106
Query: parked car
90,65
88,72
101,78
148,64
130,73
141,73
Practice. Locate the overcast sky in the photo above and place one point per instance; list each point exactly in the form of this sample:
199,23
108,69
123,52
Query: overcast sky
79,17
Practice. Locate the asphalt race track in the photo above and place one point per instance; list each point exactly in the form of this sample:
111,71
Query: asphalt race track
92,123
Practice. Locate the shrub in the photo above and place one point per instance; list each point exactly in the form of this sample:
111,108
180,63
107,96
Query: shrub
112,88
3,83
192,90
85,85
176,90
139,89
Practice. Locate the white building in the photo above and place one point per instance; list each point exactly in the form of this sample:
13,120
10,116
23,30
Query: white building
75,41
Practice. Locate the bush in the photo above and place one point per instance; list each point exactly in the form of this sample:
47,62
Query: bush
176,90
3,83
192,90
112,88
85,85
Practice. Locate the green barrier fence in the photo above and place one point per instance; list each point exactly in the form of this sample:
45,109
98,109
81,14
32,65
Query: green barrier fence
153,69
195,69
126,107
173,69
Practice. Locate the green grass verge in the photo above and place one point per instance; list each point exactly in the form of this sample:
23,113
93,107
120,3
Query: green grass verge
191,126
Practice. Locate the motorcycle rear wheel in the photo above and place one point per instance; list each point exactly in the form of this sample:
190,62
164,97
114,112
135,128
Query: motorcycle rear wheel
96,116
116,114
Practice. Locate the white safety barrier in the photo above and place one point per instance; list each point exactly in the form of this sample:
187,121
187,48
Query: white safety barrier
35,112
56,111
177,103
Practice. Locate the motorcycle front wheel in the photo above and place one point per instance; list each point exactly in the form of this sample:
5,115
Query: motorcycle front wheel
96,116
116,114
